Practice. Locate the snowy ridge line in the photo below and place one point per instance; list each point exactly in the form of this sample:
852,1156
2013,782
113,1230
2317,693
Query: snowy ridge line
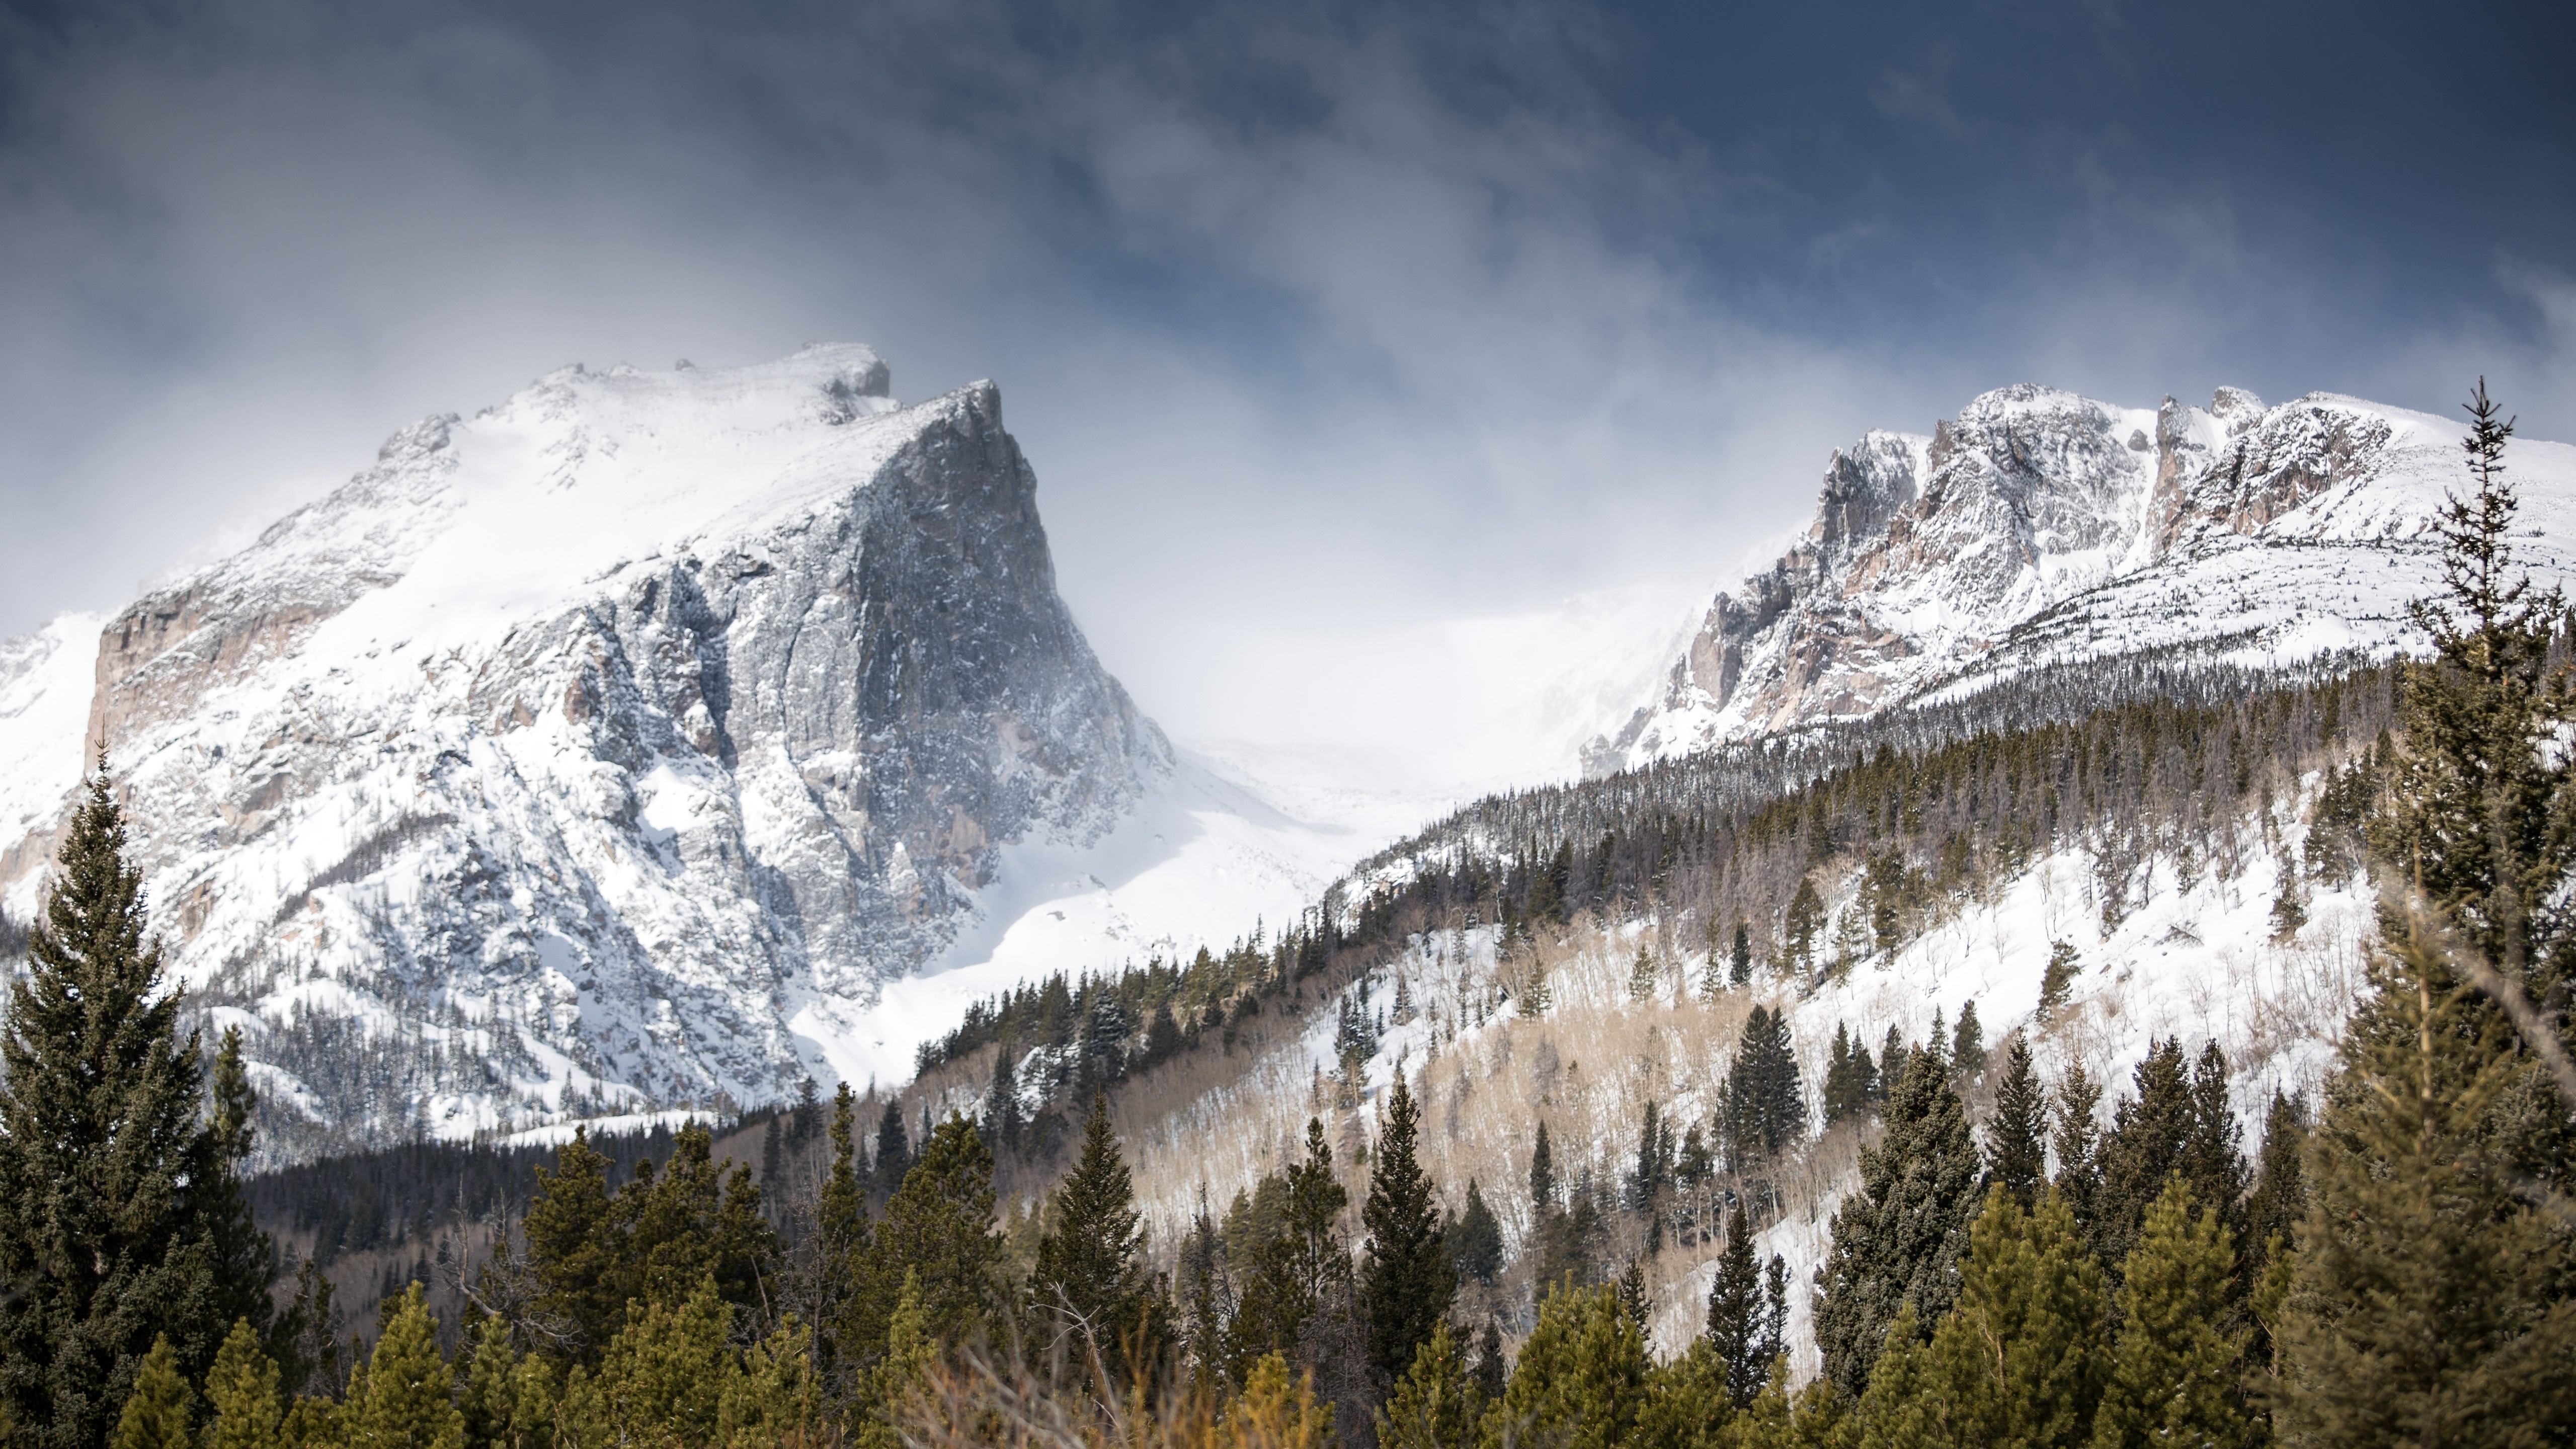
2038,529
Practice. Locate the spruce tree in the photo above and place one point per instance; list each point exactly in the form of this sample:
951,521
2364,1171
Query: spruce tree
156,1414
1542,1175
1897,1239
121,1215
1641,978
1002,1104
1581,1379
940,1225
894,1151
2058,981
2078,1143
1408,1280
1804,924
1968,1044
1765,1110
1844,1099
1735,1313
243,1403
2017,1133
2180,1121
2175,1366
2429,1298
1090,1278
1686,1403
1490,1368
1302,1266
1739,959
575,1252
2280,1196
2023,1357
408,1397
1436,1403
2477,796
688,1221
1476,1240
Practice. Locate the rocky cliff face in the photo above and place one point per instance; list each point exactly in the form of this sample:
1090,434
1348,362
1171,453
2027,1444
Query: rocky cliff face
610,749
2041,528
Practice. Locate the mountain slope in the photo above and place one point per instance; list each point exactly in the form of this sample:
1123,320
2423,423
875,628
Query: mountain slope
2041,529
610,748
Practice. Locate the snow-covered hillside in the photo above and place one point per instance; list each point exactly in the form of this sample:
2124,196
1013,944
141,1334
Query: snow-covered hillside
2041,528
2196,958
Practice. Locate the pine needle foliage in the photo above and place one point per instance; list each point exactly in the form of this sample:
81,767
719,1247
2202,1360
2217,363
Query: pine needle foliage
1407,1282
121,1215
1898,1238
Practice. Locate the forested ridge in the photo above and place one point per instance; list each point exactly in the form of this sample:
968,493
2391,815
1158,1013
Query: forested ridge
2391,1261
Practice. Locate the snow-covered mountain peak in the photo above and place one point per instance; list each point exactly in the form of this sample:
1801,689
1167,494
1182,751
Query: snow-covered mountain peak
2040,527
612,746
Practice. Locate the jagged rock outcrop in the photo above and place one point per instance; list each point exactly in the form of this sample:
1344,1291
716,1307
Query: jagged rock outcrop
2040,528
610,749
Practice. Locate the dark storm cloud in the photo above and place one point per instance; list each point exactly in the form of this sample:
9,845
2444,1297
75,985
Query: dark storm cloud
1323,319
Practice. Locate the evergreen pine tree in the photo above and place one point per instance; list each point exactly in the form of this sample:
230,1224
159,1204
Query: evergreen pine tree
1712,975
243,1405
155,1415
896,1383
575,1252
1773,1341
1581,1379
408,1399
1686,1402
508,1401
2280,1195
1765,1110
2476,797
1843,1098
1542,1175
940,1225
1968,1044
1641,978
1090,1278
2429,1300
2078,1143
1803,925
1739,959
1897,1239
1408,1280
121,1217
2178,1122
2017,1133
1435,1404
1301,1267
894,1151
1476,1240
661,1380
2175,1366
1735,1313
845,1294
688,1221
2058,981
1490,1369
1002,1104
2023,1357
1636,1302
1891,1063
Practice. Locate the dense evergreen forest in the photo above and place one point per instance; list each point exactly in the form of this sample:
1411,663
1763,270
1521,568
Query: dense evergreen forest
2393,1262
